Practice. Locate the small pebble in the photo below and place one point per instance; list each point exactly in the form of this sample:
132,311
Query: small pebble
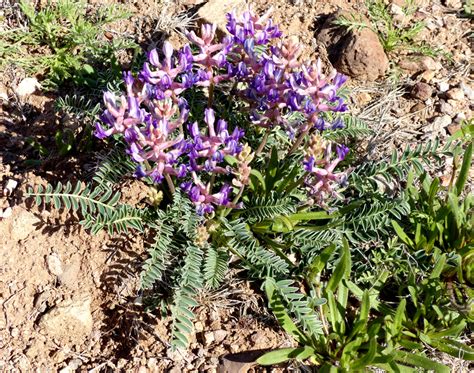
427,76
363,98
443,87
440,123
468,91
198,326
421,91
456,94
417,107
54,264
429,63
14,332
27,87
460,117
445,107
208,338
219,335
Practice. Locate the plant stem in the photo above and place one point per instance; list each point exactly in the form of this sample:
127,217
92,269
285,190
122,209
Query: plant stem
321,310
226,211
170,184
298,141
210,97
211,182
264,141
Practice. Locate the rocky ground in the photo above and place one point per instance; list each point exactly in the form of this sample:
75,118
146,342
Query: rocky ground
70,301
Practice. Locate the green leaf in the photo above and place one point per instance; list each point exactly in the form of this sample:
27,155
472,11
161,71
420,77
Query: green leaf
400,233
454,348
464,172
453,331
420,361
335,317
328,368
232,161
257,179
438,268
278,308
368,356
289,178
284,354
364,307
398,319
342,270
315,215
319,263
272,170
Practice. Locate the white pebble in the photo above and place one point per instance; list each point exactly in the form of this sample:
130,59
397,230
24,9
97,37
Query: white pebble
443,87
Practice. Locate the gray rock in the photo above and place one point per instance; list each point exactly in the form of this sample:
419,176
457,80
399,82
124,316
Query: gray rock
439,125
468,91
443,87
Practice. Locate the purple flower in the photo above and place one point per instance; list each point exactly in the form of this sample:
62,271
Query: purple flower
337,124
321,179
100,132
339,80
308,164
320,124
153,58
139,172
342,151
128,80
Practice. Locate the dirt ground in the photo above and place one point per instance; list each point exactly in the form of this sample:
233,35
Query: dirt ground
71,301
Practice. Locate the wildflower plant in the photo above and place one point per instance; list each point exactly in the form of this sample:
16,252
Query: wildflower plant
174,146
243,147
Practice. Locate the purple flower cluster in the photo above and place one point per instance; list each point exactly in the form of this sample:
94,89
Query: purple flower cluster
153,117
277,83
319,163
